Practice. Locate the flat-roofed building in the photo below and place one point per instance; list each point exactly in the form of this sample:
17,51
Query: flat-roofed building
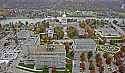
84,45
109,34
52,54
80,46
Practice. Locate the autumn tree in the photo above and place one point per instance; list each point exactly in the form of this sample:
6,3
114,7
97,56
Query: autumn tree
67,46
72,32
109,59
90,54
82,57
53,69
105,54
59,32
98,60
41,27
92,67
82,24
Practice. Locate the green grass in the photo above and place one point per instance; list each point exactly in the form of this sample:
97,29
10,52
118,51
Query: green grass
69,55
31,66
21,64
31,70
38,72
69,66
25,69
60,71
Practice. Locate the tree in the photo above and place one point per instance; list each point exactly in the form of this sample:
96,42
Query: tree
59,32
87,21
37,30
45,24
82,57
46,40
45,69
90,54
105,54
122,68
82,24
91,65
72,32
41,28
122,49
112,42
82,65
123,38
30,27
54,69
90,31
101,69
93,22
26,23
118,58
115,21
109,59
98,60
67,46
103,41
17,27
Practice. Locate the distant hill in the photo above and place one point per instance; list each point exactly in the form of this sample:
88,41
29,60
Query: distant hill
58,4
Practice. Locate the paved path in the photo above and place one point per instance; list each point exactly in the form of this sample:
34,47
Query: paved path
22,71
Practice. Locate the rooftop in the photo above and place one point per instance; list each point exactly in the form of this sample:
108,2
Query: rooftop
108,31
2,61
84,44
43,49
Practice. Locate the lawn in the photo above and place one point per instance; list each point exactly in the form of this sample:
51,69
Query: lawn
31,66
69,55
